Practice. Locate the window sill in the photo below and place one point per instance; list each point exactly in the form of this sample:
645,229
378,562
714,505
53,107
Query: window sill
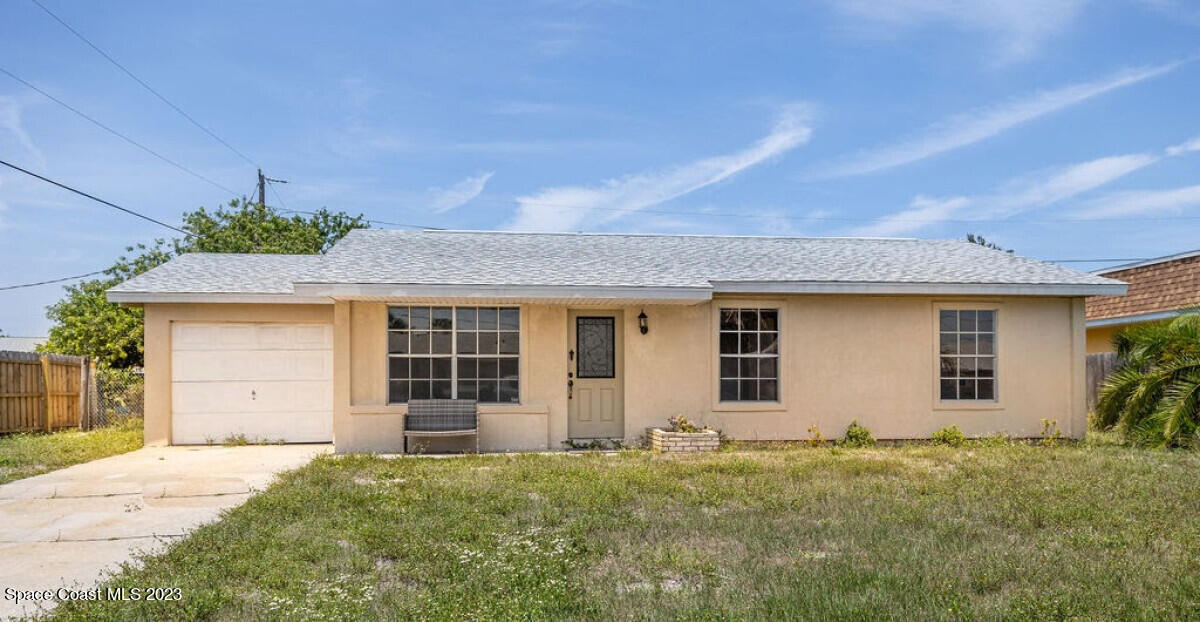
749,407
966,405
484,409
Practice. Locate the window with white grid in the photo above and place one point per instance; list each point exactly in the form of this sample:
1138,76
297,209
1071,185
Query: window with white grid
470,353
749,351
967,354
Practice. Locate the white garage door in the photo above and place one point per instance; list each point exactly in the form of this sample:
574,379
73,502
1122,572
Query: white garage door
268,382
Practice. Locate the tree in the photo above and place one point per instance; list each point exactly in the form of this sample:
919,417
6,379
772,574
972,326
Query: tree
1154,396
86,323
979,239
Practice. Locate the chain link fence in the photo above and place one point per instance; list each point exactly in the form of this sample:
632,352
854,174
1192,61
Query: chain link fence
119,396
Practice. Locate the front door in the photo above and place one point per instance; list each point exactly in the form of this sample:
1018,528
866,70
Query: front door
596,400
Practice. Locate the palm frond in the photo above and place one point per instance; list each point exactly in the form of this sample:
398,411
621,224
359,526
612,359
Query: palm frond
1143,401
1180,408
1114,395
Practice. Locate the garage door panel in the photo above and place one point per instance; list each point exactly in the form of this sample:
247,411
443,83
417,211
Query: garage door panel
216,366
316,337
273,337
192,336
260,396
267,382
258,427
198,336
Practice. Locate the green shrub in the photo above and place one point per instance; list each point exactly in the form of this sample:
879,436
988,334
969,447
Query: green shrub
949,435
857,436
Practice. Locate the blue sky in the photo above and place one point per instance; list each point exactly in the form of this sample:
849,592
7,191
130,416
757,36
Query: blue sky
1062,129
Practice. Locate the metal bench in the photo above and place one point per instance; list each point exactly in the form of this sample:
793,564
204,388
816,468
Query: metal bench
441,418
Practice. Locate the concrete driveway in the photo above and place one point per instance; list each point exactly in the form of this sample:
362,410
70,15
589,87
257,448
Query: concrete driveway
67,527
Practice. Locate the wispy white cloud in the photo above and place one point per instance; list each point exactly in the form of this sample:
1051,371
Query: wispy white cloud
1047,188
564,208
1029,192
922,211
12,127
980,124
1141,203
1184,147
461,193
1019,27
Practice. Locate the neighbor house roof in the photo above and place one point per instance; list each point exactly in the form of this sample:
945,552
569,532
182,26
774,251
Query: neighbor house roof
1158,289
384,263
20,344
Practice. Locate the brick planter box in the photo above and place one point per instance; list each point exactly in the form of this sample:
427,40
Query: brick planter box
670,442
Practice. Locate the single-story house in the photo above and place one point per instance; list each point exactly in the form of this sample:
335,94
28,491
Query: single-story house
587,336
1159,289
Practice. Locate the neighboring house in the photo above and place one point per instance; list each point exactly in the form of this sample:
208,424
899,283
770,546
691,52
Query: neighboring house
1159,289
582,336
20,344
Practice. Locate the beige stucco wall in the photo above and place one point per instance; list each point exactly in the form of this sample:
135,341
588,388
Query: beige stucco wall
870,358
1099,339
158,347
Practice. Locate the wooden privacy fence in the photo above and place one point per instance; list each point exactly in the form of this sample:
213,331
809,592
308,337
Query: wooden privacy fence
1099,368
43,392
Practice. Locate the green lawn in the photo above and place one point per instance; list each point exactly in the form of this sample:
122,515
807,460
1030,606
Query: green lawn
908,533
26,455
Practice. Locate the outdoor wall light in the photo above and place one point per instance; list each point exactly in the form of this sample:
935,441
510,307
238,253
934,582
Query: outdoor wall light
642,322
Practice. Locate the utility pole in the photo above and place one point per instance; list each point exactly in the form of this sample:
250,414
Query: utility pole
262,187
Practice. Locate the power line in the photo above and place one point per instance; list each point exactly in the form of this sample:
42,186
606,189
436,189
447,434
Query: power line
94,198
51,281
275,191
144,85
116,133
372,221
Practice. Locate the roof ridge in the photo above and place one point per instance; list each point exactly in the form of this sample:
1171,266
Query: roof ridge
1147,262
648,235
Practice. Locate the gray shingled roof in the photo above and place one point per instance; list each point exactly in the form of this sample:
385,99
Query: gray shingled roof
476,258
230,273
443,258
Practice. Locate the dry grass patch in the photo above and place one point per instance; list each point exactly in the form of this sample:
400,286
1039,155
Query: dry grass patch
1009,531
25,455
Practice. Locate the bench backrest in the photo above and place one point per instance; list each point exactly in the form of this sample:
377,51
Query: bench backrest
441,415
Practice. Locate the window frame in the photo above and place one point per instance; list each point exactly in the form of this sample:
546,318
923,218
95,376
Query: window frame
998,327
783,365
454,355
